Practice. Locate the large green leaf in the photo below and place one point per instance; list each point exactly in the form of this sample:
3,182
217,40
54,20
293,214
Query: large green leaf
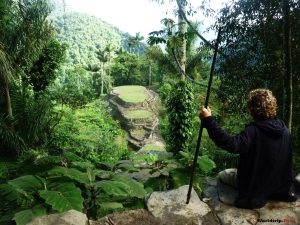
179,177
71,173
103,174
111,205
72,157
83,166
25,216
114,188
64,197
8,193
206,164
28,183
136,189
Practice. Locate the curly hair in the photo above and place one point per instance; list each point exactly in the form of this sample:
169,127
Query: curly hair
262,104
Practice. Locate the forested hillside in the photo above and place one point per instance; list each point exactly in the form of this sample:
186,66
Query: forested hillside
81,125
84,35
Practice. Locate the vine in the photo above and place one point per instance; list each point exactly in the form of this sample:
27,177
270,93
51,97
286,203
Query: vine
180,107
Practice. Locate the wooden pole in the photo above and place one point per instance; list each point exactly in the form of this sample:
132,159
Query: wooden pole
205,104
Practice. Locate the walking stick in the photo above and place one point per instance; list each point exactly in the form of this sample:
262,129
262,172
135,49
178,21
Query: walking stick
205,105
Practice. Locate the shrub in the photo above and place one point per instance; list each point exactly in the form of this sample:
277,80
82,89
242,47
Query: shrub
91,132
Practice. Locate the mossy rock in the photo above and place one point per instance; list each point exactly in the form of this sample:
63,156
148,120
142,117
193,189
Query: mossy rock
138,134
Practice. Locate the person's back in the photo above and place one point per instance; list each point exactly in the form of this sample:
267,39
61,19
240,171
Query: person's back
265,163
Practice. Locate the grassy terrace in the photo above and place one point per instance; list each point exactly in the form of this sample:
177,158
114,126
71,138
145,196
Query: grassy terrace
138,114
153,147
132,93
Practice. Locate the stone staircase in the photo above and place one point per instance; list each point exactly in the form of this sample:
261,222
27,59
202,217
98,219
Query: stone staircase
139,118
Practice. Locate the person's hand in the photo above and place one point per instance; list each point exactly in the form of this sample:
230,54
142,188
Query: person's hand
204,112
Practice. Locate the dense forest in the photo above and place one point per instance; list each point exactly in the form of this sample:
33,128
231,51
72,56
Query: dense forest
57,134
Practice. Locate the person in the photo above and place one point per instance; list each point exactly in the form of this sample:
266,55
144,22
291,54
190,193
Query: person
264,169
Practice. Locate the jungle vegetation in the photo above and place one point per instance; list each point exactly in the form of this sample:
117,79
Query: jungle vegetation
57,137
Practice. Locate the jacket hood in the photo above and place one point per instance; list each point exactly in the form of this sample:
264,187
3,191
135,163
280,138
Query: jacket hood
274,127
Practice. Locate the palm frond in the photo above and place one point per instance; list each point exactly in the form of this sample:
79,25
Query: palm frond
5,67
194,62
9,138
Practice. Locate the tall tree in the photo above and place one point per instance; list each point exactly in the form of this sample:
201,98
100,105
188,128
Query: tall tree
287,40
181,7
252,41
182,30
109,50
138,38
105,56
5,79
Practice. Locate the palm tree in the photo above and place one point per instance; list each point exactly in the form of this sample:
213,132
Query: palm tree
5,78
109,54
169,36
105,57
137,40
182,31
181,5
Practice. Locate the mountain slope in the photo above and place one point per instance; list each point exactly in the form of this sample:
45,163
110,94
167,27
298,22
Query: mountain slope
84,34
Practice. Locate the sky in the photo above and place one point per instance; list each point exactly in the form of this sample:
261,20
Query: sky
134,16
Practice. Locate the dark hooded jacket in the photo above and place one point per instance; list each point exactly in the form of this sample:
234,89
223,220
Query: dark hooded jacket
265,163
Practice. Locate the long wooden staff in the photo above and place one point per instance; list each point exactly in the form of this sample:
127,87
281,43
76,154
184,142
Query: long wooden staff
205,105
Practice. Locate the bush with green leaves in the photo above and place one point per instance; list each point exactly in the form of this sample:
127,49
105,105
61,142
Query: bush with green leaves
90,132
66,182
173,173
75,87
180,109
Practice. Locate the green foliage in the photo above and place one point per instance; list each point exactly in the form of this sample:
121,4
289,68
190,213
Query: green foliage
73,174
43,72
91,132
132,93
85,35
34,117
139,114
206,164
75,88
180,108
63,197
164,92
61,187
25,216
125,70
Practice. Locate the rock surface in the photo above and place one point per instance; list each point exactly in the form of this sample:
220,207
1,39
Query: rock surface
71,217
170,208
297,182
220,198
133,217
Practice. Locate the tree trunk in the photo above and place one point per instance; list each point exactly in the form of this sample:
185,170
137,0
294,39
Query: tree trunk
182,31
288,64
8,102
